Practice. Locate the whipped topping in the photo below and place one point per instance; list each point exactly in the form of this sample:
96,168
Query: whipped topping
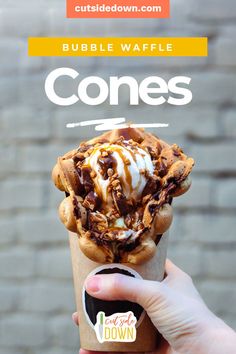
128,162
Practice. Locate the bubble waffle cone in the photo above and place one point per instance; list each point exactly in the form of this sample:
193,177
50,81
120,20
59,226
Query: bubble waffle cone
118,194
119,188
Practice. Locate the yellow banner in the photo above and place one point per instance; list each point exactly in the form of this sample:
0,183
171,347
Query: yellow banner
151,47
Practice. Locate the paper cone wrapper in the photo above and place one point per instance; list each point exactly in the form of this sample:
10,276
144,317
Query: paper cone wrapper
146,335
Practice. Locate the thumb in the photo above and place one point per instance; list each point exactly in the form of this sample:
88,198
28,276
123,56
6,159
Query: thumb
122,287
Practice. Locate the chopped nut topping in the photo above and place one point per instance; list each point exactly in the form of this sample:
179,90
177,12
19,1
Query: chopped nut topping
146,198
98,222
119,140
104,153
113,217
140,226
93,174
110,172
92,201
115,183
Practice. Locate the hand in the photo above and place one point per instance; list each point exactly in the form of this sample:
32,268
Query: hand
175,308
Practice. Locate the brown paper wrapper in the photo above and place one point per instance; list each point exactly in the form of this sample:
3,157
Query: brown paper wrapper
147,338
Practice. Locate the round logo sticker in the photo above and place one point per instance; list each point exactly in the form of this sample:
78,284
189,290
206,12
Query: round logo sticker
113,320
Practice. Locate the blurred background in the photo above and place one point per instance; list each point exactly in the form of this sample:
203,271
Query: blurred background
36,296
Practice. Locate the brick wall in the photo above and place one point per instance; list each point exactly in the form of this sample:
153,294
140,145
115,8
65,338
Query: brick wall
36,294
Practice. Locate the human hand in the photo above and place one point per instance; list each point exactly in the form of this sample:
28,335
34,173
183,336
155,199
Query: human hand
175,308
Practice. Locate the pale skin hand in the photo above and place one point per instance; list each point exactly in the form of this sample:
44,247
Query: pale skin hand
175,308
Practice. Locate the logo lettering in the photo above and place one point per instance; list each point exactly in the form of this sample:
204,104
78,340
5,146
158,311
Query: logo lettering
152,90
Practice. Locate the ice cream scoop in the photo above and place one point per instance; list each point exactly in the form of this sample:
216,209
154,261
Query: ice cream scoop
130,163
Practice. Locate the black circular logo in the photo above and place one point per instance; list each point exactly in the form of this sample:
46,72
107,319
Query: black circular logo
93,305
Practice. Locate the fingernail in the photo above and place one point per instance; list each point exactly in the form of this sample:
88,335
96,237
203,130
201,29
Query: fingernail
75,318
93,284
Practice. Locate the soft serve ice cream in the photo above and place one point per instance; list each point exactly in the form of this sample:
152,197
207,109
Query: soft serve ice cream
119,189
130,163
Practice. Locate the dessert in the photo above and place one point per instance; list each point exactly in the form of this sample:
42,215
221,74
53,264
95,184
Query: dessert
119,188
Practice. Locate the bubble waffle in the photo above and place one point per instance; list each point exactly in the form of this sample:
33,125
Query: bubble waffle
119,188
